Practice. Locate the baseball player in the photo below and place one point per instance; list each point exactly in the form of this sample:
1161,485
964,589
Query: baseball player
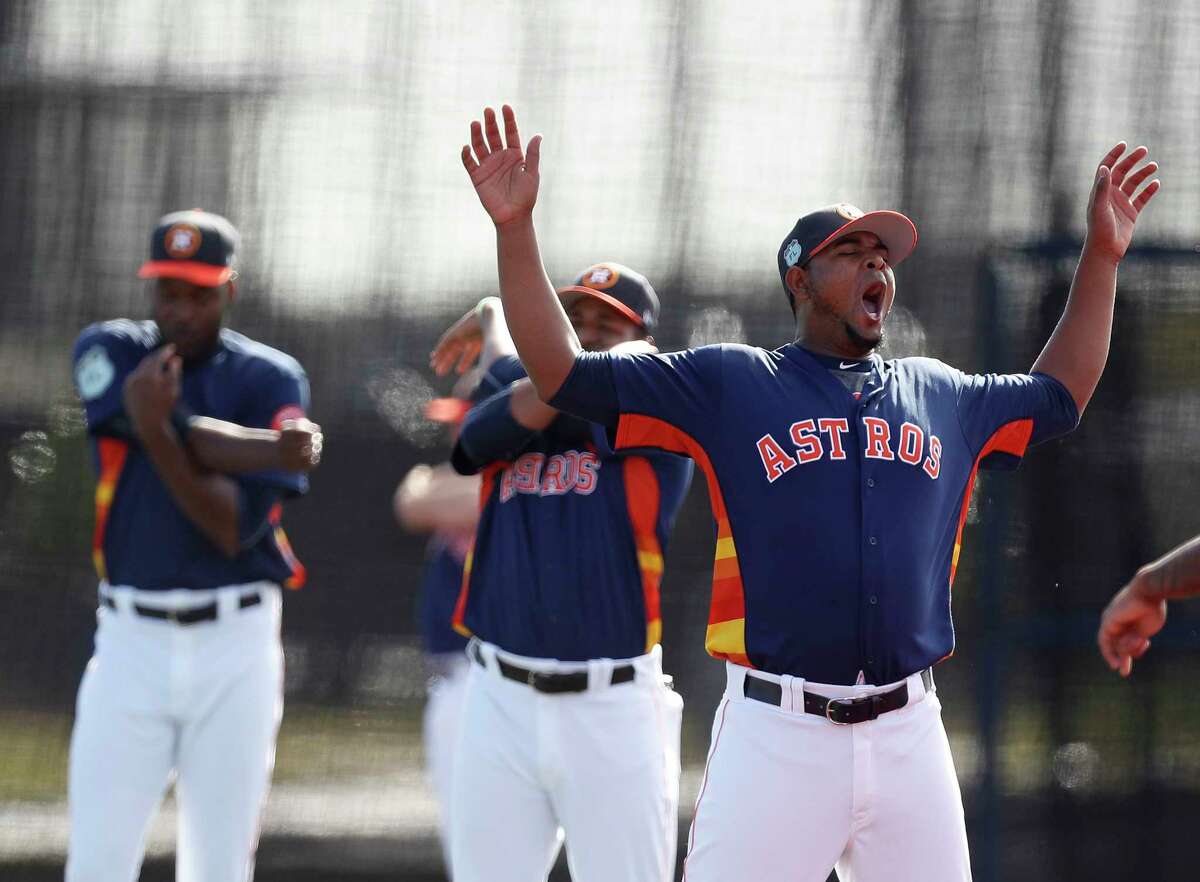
439,501
839,484
1139,610
569,722
186,678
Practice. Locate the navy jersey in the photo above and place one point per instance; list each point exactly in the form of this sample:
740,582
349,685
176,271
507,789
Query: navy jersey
838,516
142,538
568,552
444,557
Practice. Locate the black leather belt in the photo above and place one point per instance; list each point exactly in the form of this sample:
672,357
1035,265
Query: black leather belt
189,616
843,711
550,682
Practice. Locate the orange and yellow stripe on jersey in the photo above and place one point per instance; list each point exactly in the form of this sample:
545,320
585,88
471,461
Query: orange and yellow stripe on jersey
111,453
726,633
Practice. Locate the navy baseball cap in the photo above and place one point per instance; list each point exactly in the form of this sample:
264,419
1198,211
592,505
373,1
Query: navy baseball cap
820,228
196,246
625,290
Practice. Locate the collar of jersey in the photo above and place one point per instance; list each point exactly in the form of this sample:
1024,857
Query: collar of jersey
833,362
809,362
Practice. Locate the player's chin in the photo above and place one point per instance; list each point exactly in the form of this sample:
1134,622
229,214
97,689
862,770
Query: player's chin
865,336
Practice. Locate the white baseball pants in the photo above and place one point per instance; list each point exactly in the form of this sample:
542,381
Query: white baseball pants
202,701
441,725
601,764
788,795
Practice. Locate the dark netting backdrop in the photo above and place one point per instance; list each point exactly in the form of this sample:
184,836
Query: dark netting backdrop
682,138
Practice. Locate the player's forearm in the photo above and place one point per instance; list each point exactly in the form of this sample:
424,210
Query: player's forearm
497,341
544,337
226,447
1078,348
437,498
1174,575
528,409
209,500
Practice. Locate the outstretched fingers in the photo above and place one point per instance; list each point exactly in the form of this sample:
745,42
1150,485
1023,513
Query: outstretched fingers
477,142
1134,180
1146,195
1122,168
512,138
492,130
533,156
1113,155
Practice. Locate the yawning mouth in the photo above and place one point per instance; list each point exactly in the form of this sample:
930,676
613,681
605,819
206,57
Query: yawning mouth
872,300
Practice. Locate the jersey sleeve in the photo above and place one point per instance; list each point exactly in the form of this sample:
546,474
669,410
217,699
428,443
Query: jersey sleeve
274,395
489,434
102,359
681,389
1003,414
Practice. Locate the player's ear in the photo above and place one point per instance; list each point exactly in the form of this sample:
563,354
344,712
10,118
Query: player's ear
797,283
231,292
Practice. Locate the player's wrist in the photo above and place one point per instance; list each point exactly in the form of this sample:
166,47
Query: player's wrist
1094,251
1148,584
488,306
519,223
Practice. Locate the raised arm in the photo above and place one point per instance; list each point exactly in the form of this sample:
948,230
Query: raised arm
506,180
1077,350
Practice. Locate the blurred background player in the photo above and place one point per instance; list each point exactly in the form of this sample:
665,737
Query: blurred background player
435,499
186,678
569,722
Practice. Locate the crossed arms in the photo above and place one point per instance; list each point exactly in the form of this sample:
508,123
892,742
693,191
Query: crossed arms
196,469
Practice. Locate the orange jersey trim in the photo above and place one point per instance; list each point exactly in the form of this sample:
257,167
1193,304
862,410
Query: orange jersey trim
642,498
460,607
112,455
299,572
726,633
1012,438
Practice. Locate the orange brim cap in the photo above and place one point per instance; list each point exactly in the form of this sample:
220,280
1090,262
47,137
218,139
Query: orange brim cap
894,230
206,275
606,299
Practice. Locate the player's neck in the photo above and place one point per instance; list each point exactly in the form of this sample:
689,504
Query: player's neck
833,349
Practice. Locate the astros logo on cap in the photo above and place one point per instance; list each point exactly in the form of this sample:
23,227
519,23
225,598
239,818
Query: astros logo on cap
600,276
182,241
848,211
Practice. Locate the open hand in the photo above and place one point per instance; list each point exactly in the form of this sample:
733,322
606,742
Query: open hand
300,444
152,388
1127,624
462,342
1113,208
505,177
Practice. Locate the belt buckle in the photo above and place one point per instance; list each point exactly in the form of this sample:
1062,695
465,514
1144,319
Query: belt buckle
852,702
829,710
173,616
